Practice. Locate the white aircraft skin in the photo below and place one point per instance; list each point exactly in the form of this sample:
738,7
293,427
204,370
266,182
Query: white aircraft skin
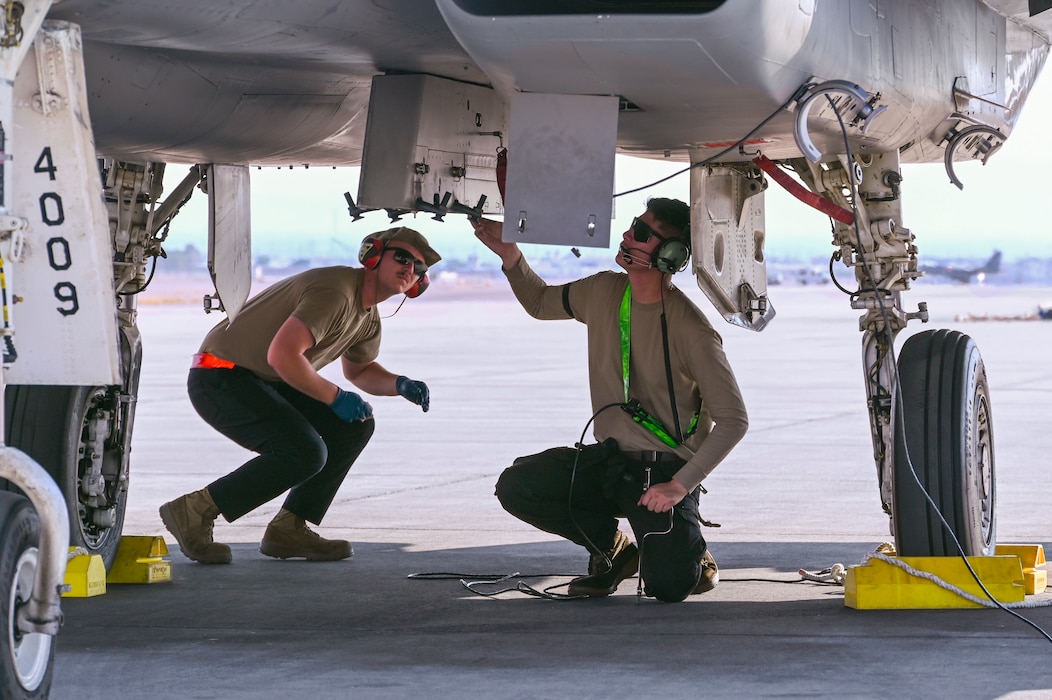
249,82
423,95
243,81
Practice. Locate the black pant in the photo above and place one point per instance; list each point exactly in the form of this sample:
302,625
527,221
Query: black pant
304,448
580,497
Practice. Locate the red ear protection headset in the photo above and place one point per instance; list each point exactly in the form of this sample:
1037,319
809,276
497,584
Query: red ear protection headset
419,288
369,256
370,253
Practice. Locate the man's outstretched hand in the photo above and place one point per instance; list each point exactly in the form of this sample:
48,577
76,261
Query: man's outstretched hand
415,391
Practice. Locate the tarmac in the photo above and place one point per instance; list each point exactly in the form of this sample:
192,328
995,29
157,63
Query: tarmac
799,492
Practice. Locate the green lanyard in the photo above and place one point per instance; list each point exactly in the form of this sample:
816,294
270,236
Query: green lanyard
625,322
638,414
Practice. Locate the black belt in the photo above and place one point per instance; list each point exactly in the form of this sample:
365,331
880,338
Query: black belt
655,456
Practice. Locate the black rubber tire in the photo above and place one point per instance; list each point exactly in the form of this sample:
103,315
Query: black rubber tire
48,423
27,662
946,434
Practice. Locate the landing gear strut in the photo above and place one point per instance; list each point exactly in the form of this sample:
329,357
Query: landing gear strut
929,412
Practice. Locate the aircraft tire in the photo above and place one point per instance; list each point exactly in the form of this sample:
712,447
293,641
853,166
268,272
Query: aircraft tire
945,438
27,661
53,425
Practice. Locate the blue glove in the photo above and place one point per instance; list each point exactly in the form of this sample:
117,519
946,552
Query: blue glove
350,407
414,391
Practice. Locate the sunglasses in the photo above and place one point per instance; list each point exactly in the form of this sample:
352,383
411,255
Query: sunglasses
404,257
641,231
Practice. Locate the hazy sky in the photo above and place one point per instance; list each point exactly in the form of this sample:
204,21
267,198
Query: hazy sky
1006,204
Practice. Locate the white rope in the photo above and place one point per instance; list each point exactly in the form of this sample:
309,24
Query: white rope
953,589
76,552
834,574
837,573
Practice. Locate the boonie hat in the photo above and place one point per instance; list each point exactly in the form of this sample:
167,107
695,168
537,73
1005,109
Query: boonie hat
413,238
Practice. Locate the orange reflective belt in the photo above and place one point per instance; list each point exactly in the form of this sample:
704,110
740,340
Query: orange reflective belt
206,360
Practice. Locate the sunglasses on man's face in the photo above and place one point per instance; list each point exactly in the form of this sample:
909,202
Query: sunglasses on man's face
404,257
641,231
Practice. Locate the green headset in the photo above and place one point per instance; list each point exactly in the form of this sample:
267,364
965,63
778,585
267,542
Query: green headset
671,256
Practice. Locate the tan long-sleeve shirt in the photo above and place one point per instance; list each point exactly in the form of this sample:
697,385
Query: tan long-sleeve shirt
702,380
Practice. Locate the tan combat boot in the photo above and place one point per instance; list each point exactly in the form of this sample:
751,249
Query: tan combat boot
190,518
288,537
710,575
607,570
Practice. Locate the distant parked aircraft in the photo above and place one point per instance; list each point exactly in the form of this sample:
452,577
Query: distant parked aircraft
964,274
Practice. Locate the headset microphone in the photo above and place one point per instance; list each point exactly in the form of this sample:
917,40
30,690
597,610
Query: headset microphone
632,259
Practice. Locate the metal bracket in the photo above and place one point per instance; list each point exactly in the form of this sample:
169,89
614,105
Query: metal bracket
13,228
353,209
865,114
438,207
212,302
473,213
972,138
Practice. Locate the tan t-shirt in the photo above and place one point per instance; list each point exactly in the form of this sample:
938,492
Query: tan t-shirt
327,300
702,379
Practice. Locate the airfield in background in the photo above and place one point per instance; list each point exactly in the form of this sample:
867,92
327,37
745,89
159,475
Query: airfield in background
799,492
475,268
